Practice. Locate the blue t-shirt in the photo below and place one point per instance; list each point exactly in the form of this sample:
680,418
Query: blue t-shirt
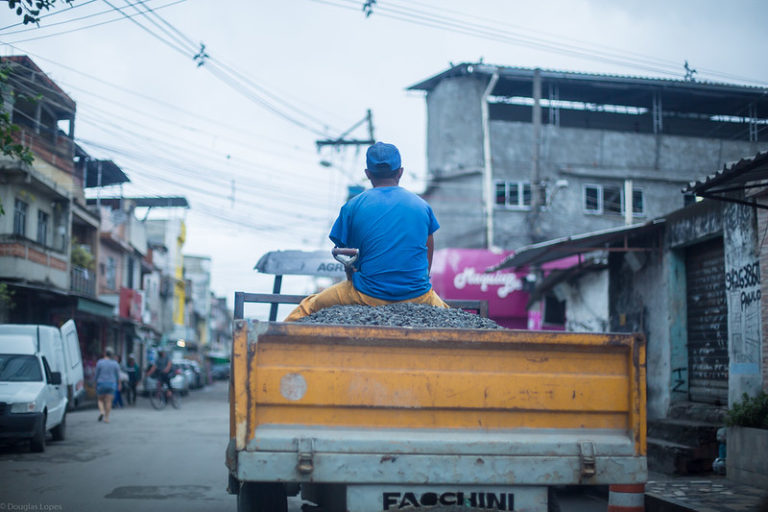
390,226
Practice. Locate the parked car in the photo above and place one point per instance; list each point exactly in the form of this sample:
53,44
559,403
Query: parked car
178,381
220,371
188,372
199,377
33,397
61,347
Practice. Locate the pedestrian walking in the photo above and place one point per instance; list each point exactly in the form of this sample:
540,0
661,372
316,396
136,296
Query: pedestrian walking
122,378
107,383
134,376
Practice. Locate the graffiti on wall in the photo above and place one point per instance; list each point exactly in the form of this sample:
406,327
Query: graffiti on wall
746,282
742,284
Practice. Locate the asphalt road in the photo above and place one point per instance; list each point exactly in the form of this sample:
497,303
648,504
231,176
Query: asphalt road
145,460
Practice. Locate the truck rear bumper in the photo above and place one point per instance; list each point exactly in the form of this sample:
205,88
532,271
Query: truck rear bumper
388,468
446,457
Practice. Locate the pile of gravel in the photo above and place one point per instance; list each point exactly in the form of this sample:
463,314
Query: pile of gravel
402,314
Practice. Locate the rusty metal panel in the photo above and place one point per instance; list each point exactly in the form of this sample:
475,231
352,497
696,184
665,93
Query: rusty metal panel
384,468
707,323
376,377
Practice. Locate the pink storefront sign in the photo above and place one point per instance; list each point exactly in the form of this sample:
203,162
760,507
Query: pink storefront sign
460,274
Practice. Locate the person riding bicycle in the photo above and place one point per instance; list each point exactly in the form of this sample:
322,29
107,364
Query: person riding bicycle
162,365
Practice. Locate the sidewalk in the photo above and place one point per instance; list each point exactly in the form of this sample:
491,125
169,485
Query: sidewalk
707,493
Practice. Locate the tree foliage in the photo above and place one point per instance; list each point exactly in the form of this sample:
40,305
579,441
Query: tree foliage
31,9
8,144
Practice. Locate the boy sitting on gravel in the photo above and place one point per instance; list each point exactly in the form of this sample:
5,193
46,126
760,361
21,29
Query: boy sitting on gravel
392,229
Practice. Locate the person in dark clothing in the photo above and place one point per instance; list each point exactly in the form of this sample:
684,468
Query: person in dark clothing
134,376
162,366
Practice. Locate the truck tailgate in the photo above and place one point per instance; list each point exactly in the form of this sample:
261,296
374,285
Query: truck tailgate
379,404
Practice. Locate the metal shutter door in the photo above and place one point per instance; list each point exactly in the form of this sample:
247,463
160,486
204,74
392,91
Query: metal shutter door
707,323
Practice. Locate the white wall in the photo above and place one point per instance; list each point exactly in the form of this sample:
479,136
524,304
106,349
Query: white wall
586,303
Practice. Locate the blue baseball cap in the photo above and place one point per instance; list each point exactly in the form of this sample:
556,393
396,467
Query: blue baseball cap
382,158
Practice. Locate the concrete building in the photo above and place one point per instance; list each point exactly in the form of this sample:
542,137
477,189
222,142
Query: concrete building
49,238
166,237
38,199
197,272
516,156
691,282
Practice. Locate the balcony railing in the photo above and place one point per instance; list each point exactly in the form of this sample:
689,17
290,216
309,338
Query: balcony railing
83,281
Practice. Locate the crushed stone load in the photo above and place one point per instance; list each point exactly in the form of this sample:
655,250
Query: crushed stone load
402,314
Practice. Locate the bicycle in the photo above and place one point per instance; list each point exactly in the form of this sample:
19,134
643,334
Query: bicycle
160,396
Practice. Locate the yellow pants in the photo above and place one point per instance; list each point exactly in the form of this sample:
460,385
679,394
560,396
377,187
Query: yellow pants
345,294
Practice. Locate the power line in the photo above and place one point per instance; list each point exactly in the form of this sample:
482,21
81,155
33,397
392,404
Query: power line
85,27
432,20
226,74
164,104
166,42
54,13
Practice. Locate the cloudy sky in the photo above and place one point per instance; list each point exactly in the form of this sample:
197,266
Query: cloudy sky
280,75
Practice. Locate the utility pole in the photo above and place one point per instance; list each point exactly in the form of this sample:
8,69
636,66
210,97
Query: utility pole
488,195
535,168
341,141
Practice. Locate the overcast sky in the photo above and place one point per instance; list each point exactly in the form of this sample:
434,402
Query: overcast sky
179,129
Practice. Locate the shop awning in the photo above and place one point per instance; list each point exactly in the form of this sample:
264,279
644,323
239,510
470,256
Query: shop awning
95,307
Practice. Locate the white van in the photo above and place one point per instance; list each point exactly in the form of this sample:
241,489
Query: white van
72,372
38,370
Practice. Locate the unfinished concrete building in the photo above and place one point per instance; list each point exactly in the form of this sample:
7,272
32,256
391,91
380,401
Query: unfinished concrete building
516,156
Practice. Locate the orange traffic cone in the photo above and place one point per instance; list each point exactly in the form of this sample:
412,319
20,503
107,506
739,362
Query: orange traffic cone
626,498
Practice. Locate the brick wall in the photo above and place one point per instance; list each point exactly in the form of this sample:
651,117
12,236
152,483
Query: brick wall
19,250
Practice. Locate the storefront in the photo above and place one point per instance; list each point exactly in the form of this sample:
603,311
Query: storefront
461,274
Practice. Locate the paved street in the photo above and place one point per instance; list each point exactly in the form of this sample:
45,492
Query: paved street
143,460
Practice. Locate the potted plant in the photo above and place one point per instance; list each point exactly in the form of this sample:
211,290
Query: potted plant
747,424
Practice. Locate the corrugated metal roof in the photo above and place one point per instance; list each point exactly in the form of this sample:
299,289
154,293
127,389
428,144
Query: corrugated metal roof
468,68
732,177
559,248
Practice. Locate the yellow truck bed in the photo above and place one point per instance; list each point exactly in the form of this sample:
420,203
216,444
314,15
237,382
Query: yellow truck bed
369,408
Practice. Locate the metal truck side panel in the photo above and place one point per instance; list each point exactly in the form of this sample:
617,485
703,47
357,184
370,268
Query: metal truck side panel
391,378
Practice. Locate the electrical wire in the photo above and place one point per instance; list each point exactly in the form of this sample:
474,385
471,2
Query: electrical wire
79,29
44,16
226,74
433,20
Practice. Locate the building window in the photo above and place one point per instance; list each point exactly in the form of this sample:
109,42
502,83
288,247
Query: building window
20,218
42,227
129,277
612,202
554,311
638,203
600,199
111,273
516,194
593,199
